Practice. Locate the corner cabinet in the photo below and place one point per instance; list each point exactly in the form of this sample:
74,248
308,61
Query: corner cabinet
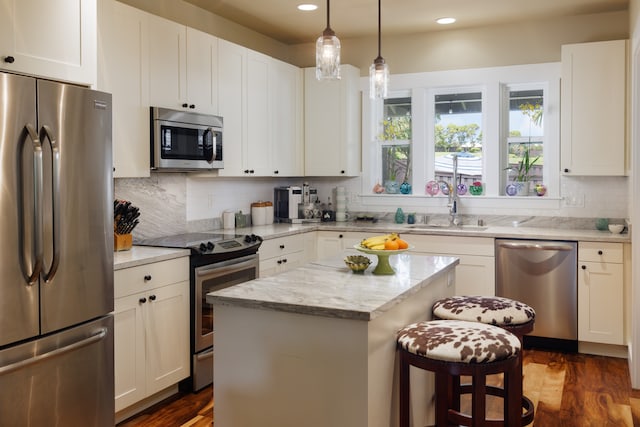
601,292
151,344
122,71
332,124
50,38
594,108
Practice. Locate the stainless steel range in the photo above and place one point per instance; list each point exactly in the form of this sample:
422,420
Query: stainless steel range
217,261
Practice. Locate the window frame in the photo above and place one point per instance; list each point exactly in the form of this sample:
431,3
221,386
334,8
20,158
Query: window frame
492,81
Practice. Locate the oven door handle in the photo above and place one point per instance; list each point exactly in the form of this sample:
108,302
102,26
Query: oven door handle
220,270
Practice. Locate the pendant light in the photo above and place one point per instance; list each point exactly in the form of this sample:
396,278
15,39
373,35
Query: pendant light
328,54
379,70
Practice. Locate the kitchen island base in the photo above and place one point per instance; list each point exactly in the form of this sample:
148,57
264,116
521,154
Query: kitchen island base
279,368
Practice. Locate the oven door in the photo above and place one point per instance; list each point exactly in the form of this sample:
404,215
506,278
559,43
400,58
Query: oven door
213,277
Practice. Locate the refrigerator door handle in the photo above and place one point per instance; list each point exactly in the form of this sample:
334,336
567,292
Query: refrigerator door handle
32,277
46,133
102,332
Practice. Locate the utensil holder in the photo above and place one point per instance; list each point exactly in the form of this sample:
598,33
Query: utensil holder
122,242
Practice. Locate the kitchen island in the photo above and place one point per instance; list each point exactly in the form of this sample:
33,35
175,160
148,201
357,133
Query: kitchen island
315,346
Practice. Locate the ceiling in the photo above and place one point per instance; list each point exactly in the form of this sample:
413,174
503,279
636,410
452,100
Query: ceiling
282,21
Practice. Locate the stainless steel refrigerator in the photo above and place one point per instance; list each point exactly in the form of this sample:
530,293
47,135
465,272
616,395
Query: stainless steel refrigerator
56,255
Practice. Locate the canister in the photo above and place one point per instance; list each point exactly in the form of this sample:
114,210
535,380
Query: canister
259,213
228,219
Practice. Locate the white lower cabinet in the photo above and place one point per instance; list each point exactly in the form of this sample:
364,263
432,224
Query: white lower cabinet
476,273
281,254
331,243
151,345
601,292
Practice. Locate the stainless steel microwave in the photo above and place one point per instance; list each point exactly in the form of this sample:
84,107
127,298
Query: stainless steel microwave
185,141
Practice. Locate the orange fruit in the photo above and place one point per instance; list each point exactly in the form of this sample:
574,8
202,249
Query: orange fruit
391,245
402,244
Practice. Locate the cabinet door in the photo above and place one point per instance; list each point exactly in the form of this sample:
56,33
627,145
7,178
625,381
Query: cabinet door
258,115
50,38
332,124
329,244
129,351
232,66
167,325
593,108
600,303
123,72
167,63
202,72
286,119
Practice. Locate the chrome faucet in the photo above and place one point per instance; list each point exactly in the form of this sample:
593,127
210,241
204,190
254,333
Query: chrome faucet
453,195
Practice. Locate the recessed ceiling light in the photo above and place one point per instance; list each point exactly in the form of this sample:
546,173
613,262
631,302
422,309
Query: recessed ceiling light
307,7
445,21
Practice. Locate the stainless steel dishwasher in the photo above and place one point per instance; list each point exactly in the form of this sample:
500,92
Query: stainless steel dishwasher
543,275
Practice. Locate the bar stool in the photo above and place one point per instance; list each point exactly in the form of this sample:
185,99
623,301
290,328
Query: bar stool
451,348
514,316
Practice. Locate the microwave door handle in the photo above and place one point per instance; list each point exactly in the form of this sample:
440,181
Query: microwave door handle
209,133
32,277
45,132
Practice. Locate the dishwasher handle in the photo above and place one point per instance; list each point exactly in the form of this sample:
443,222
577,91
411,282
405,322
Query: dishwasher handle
536,246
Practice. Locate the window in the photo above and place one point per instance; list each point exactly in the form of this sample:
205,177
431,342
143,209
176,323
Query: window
395,143
525,141
458,130
493,118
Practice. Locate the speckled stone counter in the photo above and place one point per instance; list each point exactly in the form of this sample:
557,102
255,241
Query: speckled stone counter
328,288
316,346
140,255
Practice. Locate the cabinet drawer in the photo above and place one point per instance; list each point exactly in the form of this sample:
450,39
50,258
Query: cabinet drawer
600,252
280,246
129,281
442,245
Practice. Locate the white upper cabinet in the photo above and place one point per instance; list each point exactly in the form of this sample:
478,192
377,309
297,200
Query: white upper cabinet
332,124
49,38
182,67
260,103
202,71
122,71
287,126
594,108
232,70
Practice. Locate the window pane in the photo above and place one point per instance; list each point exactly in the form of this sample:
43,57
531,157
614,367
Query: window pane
525,143
396,144
458,129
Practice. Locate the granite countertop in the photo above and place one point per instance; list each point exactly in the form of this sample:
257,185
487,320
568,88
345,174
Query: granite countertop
515,231
328,288
140,255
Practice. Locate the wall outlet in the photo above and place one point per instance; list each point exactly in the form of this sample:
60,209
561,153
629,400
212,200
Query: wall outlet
573,201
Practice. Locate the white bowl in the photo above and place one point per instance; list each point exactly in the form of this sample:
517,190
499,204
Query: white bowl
616,228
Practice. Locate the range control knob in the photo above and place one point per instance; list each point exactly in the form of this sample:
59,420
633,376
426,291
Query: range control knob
247,239
203,247
210,246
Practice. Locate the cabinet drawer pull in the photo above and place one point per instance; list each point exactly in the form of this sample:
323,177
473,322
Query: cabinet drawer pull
600,252
147,277
142,300
281,246
584,267
9,59
152,297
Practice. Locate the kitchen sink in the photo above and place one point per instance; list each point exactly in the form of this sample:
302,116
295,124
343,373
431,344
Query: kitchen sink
461,227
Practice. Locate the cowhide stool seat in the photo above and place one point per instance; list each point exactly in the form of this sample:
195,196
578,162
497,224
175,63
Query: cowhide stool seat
514,316
450,348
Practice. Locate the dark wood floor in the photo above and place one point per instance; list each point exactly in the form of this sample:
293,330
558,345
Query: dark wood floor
568,390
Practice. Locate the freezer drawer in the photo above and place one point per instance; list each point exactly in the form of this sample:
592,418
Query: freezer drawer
64,379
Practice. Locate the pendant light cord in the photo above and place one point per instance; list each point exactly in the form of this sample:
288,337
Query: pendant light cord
328,6
379,30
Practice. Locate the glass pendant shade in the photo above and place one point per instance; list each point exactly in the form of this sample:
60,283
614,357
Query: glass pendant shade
328,56
378,79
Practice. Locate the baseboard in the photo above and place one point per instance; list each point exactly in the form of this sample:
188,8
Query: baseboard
597,349
140,406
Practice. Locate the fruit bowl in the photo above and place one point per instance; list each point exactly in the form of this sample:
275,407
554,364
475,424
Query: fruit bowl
383,266
357,263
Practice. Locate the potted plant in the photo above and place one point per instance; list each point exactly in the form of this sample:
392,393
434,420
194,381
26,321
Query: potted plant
525,165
